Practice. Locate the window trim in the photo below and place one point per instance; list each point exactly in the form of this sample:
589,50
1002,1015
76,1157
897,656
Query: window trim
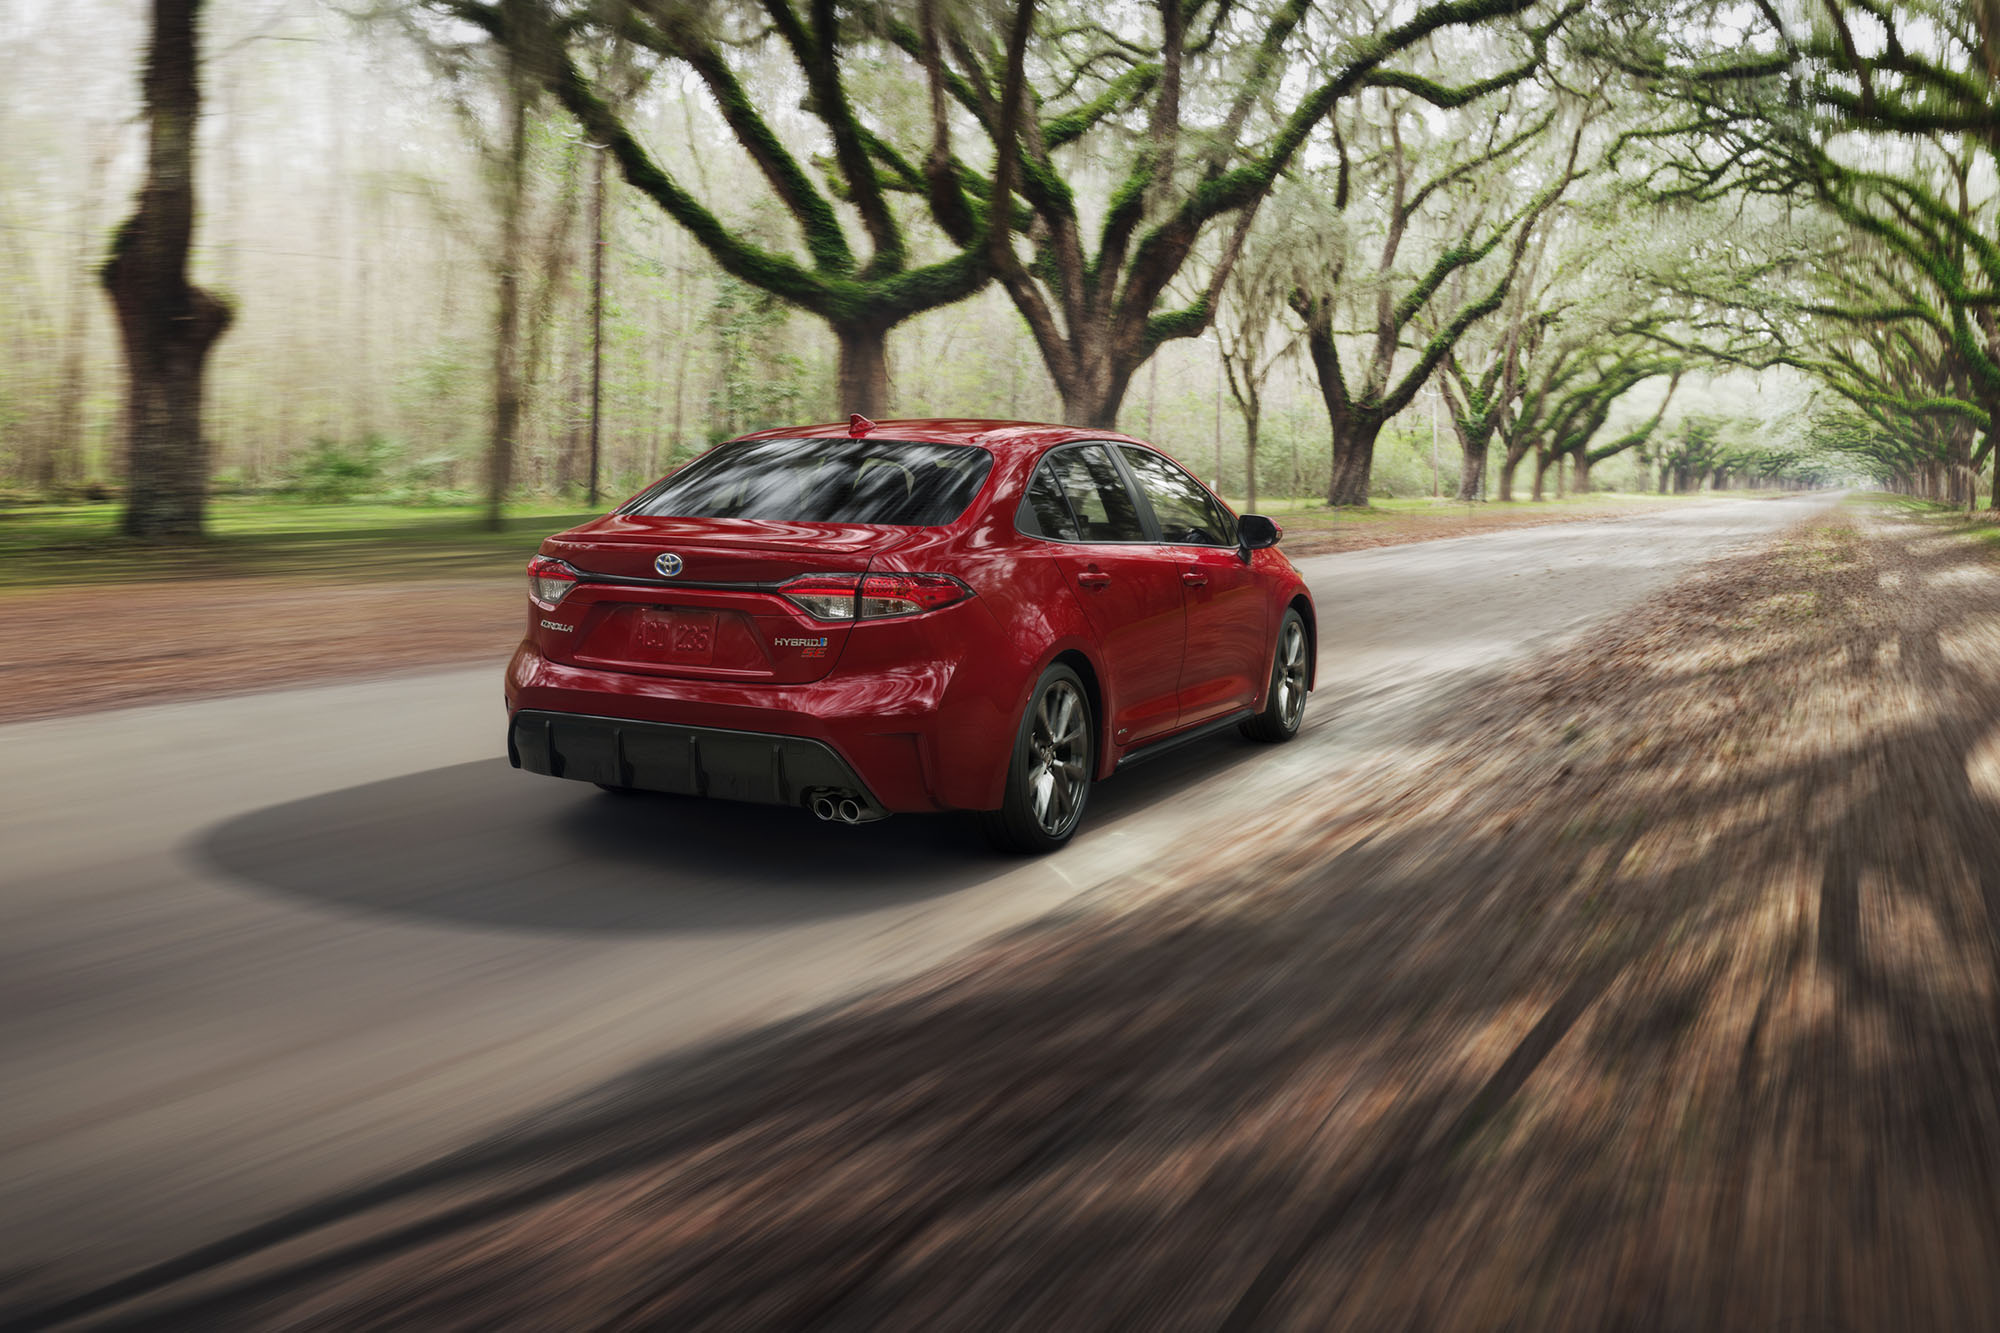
1152,517
1150,527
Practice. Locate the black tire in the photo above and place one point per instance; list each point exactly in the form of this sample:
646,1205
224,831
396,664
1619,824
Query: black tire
1048,779
1285,699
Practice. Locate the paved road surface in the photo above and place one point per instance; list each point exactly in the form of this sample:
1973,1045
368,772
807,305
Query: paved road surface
257,949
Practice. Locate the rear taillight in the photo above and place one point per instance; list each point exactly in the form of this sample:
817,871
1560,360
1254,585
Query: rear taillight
908,594
549,581
822,596
873,597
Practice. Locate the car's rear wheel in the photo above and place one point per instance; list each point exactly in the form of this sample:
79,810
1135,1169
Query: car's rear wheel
1291,674
1048,781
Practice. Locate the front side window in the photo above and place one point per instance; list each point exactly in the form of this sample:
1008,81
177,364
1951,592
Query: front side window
1099,503
1188,514
893,483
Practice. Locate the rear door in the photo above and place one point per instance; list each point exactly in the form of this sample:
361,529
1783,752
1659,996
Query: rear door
1128,584
1228,643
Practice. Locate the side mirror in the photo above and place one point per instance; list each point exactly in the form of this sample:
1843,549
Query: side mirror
1254,532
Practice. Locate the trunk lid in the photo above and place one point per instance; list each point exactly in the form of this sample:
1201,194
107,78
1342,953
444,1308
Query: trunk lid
719,616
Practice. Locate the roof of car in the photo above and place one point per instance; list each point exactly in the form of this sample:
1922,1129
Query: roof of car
999,436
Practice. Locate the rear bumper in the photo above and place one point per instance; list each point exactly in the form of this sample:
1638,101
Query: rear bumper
915,739
683,760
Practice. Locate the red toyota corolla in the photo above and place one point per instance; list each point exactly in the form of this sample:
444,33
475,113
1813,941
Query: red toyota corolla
917,615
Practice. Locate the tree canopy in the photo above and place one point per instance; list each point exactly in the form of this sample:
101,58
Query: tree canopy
1568,230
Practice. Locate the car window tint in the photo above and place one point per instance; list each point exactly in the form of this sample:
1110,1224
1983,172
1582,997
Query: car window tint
1097,494
888,482
1045,510
1188,514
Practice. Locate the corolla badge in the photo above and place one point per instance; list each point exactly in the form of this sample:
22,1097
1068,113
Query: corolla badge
667,563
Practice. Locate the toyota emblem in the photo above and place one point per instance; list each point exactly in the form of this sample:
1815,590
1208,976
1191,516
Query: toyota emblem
667,563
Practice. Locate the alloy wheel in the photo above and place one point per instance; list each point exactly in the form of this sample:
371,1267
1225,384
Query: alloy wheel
1292,675
1059,753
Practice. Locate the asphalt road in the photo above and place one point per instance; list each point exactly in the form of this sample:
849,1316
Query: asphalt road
257,949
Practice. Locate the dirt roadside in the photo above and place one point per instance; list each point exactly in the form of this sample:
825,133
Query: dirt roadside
1324,531
75,650
80,648
1663,996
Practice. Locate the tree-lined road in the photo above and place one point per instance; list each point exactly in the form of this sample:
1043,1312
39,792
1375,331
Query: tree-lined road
257,949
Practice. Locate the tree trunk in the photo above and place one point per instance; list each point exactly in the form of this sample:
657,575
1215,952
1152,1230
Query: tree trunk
1092,399
166,324
1987,438
596,325
1580,480
864,371
1472,466
507,317
1252,418
1958,469
1353,460
1504,492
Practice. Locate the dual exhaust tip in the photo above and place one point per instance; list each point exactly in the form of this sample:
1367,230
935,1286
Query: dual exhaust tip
842,807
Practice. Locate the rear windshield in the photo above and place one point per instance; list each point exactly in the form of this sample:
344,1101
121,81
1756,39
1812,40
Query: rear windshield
891,482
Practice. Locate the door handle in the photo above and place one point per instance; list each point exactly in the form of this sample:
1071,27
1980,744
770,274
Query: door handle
1094,578
1194,580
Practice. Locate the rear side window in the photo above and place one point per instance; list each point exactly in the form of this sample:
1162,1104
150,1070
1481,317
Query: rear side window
1188,514
1045,509
893,483
1096,505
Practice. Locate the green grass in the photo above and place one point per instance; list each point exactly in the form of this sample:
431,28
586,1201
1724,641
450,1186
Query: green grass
1907,504
1980,525
54,545
1314,513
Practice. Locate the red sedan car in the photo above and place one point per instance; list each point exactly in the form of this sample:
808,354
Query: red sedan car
866,619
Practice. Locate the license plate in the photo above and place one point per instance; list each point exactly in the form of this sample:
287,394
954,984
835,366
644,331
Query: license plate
685,638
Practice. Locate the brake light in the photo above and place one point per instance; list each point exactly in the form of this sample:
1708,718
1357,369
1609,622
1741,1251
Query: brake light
908,594
549,581
874,597
822,596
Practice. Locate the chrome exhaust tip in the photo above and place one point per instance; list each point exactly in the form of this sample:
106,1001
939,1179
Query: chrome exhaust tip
823,808
850,810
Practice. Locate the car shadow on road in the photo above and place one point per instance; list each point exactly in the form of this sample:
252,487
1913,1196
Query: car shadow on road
480,844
